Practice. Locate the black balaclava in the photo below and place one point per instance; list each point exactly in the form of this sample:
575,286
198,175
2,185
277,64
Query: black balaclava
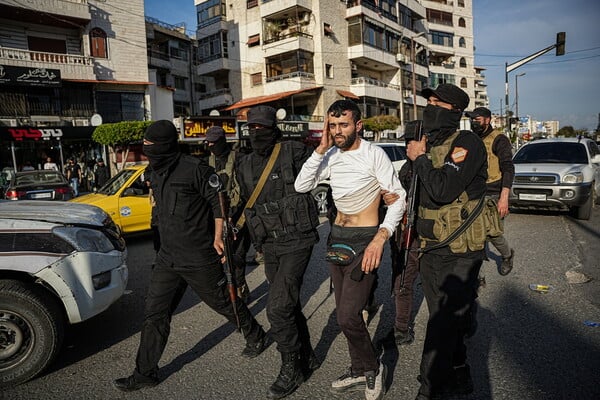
439,122
164,151
220,147
262,140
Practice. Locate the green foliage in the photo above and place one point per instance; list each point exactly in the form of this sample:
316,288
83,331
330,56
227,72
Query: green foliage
566,131
380,123
120,134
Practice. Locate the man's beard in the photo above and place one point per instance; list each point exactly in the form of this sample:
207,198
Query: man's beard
347,141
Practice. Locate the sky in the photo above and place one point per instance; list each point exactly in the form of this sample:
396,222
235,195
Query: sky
563,88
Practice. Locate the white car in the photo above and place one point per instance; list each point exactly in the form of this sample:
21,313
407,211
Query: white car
60,263
561,174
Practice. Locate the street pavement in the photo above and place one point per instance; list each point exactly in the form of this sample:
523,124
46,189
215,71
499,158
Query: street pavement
529,345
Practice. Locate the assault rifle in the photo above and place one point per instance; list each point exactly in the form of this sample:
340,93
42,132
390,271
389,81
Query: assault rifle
413,131
227,234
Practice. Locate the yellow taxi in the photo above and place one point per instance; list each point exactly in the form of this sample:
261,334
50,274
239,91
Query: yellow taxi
125,198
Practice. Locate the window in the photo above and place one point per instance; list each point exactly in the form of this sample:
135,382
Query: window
181,108
463,62
256,79
461,3
439,17
462,23
209,11
354,31
179,51
462,42
294,63
328,30
406,19
213,47
253,40
179,82
47,45
120,106
98,47
329,71
441,38
463,83
438,79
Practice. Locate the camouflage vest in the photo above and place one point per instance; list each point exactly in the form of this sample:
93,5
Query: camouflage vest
493,170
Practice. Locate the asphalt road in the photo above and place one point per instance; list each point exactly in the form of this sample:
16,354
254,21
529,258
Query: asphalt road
528,346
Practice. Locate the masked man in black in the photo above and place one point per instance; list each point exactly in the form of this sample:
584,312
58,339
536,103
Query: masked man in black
283,223
452,169
191,250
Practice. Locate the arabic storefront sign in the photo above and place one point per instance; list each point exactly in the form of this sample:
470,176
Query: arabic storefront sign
194,129
22,76
20,134
289,129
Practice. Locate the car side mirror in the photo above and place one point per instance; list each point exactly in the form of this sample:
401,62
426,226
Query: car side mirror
596,159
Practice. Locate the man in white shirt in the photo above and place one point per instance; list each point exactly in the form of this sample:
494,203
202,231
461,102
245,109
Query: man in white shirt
50,165
359,173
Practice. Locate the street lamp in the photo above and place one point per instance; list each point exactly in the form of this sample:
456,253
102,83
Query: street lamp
414,78
517,95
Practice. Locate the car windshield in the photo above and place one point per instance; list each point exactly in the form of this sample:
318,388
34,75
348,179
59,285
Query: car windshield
114,184
39,178
552,153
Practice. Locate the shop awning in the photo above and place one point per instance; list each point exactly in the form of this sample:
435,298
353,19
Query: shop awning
252,101
347,94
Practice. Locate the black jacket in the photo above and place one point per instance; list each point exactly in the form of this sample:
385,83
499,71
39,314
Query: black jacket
187,206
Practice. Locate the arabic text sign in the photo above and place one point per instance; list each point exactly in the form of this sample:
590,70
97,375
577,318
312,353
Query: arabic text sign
23,76
195,128
19,134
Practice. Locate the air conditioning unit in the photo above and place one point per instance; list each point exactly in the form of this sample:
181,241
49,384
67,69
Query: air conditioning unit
8,122
402,58
81,122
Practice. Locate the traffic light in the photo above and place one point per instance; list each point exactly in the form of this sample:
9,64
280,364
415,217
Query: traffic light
560,43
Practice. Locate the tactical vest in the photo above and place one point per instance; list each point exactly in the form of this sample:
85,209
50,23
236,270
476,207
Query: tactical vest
449,217
232,189
287,213
493,170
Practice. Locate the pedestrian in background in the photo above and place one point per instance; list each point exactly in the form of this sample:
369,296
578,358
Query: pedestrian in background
189,212
452,169
101,173
358,173
501,172
49,164
282,222
222,158
73,172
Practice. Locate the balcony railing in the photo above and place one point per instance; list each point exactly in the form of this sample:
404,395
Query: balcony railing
369,81
53,58
300,74
215,93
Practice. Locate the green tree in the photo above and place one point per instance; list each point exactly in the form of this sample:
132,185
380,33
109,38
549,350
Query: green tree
566,131
118,137
380,123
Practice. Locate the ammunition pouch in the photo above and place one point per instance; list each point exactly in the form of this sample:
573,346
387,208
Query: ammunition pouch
493,222
296,214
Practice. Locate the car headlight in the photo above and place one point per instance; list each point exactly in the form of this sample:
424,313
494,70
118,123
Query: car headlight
573,177
84,239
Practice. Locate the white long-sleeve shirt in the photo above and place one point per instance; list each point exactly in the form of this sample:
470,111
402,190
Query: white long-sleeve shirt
352,171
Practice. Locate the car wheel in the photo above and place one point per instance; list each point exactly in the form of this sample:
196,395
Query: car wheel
585,211
320,195
31,331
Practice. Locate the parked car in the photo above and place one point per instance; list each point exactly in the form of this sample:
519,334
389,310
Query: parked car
395,151
125,198
38,185
561,174
60,263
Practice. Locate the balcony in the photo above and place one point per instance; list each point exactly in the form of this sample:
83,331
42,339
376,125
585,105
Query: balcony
290,42
77,11
372,58
71,66
297,80
363,86
269,7
215,99
213,64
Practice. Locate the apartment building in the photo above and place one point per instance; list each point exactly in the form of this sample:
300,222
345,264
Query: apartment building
303,55
481,98
66,65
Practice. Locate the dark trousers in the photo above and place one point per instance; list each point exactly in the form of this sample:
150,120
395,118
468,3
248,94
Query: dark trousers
209,283
450,288
241,247
285,273
403,291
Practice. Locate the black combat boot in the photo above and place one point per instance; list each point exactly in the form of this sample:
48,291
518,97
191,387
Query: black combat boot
290,376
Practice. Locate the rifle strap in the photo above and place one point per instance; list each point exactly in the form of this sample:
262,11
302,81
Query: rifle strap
458,230
259,186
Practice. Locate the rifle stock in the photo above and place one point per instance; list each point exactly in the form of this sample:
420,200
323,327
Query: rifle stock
414,131
228,267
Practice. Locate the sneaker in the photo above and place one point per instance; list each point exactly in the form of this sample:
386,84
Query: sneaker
349,382
253,350
403,337
375,383
131,384
507,264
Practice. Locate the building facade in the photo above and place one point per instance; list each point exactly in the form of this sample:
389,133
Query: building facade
301,55
66,65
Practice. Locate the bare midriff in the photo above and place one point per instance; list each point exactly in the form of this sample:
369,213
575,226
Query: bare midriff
367,217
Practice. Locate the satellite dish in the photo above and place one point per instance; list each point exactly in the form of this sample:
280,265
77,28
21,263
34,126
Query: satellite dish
281,114
96,120
214,113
